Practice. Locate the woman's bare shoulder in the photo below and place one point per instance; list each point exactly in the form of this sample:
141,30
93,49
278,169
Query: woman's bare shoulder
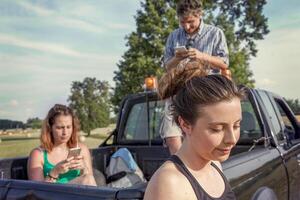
36,156
167,169
165,182
38,151
84,149
83,146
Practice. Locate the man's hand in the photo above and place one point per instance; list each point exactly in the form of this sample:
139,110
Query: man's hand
180,55
196,54
211,61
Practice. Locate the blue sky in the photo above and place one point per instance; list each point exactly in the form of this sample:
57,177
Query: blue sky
47,44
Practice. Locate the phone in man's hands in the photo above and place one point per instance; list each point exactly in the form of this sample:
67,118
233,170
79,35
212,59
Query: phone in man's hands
180,49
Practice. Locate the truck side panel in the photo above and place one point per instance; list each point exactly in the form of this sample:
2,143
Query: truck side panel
20,189
14,168
262,167
290,151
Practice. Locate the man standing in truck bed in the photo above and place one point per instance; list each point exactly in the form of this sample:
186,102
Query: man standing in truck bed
205,43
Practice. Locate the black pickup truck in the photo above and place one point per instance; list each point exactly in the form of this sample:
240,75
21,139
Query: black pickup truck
265,164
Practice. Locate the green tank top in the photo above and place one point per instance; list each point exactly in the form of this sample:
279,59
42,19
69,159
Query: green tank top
63,178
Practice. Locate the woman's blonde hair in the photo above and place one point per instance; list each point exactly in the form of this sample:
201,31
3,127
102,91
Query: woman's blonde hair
47,139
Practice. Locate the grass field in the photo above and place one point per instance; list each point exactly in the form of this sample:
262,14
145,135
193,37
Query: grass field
18,143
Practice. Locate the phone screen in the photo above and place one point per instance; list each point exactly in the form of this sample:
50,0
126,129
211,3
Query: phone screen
180,49
73,152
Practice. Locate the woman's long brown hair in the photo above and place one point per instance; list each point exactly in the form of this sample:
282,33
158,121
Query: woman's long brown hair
47,140
191,88
172,81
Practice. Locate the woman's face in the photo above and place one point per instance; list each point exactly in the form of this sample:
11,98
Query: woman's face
62,129
216,131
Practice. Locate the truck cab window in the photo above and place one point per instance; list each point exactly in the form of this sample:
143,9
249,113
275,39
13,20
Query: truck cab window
271,114
137,123
286,121
250,128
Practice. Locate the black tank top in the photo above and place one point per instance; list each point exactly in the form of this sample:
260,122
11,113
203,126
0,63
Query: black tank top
201,194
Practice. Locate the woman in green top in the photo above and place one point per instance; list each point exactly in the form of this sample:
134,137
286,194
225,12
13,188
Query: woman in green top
50,161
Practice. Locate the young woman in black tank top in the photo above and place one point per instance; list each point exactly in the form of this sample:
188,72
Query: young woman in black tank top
199,191
208,111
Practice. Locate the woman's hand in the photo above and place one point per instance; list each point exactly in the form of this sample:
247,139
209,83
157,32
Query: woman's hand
78,163
62,167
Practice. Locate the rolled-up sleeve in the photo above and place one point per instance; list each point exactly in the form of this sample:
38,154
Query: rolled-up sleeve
169,49
221,49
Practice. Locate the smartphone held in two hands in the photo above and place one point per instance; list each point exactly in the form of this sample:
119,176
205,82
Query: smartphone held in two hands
180,49
74,152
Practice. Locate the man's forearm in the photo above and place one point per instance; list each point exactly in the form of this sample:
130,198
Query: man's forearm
215,62
172,63
173,143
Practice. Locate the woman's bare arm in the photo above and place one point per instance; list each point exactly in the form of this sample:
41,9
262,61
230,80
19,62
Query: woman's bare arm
35,165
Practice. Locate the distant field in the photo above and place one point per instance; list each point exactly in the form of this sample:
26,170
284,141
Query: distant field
19,143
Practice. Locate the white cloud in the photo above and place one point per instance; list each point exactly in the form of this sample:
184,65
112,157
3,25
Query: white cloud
15,114
37,9
80,10
118,26
266,82
78,24
14,103
4,113
277,65
51,48
41,46
29,112
36,107
70,17
47,64
60,19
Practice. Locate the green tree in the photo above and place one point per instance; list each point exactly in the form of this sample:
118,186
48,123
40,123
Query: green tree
242,21
90,100
10,124
34,123
294,105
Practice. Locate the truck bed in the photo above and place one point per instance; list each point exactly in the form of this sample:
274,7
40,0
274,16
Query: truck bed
149,158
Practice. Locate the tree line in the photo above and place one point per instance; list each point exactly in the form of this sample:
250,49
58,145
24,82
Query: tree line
34,123
294,104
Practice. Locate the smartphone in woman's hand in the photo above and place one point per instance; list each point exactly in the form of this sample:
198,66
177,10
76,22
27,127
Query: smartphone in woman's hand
74,152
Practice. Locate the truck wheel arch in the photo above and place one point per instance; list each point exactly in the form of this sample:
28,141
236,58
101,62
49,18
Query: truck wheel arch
264,193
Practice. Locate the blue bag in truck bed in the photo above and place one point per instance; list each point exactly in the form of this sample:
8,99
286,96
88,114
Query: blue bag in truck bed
123,171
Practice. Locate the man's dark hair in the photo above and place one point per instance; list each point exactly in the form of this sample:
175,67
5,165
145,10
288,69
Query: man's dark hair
188,7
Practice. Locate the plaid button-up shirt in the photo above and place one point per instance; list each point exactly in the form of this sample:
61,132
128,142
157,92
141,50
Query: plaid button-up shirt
209,39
